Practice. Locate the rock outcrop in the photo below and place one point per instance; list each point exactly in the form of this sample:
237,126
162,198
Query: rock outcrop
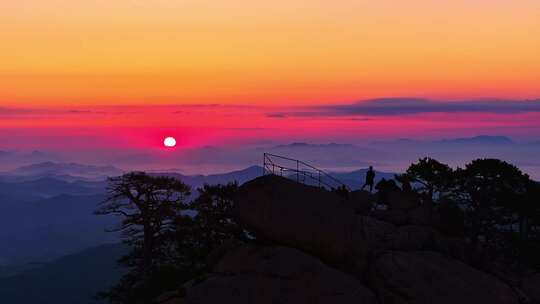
277,275
428,277
372,236
316,221
319,249
360,201
300,216
531,287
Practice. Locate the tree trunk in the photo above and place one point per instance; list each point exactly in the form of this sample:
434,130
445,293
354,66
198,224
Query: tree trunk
148,246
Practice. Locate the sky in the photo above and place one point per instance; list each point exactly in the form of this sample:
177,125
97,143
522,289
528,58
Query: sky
78,75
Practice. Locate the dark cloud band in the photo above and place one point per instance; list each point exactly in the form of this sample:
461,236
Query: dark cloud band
410,106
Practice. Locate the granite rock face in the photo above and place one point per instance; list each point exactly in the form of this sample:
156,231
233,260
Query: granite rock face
531,287
314,247
295,215
316,221
277,275
429,277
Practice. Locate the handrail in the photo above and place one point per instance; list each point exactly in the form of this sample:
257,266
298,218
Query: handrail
269,166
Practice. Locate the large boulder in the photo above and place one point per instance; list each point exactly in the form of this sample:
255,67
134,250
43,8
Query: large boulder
413,237
450,219
315,221
373,236
428,277
276,275
296,215
394,216
531,287
456,248
421,215
360,201
415,215
404,201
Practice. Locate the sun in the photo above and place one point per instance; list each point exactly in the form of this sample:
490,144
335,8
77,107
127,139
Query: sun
169,142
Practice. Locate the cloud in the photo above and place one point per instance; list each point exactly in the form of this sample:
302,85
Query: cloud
182,108
44,112
403,106
14,111
247,129
276,115
86,112
410,106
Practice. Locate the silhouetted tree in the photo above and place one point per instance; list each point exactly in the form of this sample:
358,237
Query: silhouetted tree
149,207
451,218
527,209
214,212
214,222
434,177
490,201
526,212
490,190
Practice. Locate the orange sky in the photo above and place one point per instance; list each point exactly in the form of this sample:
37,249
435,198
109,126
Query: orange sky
66,52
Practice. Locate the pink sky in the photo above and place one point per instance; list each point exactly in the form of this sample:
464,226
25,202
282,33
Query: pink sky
144,127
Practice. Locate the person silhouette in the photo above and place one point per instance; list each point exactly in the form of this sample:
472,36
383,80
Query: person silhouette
370,179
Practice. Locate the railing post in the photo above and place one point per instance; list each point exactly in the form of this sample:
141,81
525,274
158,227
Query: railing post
319,172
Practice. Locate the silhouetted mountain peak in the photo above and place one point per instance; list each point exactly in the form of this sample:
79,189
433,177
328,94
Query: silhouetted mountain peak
481,139
308,145
474,140
249,169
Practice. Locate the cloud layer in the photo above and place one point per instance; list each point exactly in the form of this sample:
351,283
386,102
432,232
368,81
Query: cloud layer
410,106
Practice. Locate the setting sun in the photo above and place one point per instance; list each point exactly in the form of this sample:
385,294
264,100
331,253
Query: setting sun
169,142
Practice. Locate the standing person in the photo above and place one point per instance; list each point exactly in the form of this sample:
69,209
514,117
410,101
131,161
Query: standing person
370,179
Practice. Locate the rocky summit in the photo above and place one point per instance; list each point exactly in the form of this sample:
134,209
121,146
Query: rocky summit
317,246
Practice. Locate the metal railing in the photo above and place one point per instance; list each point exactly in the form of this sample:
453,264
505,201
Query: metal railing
303,172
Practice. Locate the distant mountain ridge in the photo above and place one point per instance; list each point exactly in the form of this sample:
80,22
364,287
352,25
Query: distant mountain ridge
75,170
195,181
474,140
44,187
308,145
69,172
481,139
11,158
